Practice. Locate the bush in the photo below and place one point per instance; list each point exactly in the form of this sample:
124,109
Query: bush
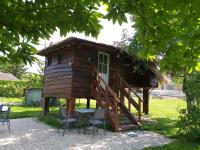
12,89
189,123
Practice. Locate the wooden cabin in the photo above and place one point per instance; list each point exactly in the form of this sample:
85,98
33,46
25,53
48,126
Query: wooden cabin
78,68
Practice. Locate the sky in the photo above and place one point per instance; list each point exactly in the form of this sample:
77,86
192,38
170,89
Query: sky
110,33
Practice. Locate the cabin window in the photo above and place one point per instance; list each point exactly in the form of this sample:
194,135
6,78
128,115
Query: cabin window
49,60
103,62
60,59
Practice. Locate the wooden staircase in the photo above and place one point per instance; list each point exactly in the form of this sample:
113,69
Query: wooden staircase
118,101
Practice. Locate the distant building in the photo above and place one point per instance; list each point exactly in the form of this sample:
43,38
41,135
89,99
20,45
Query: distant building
8,77
33,96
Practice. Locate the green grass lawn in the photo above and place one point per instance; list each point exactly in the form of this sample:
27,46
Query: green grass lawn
165,112
179,144
11,100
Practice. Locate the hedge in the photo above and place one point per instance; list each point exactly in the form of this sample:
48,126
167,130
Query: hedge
12,88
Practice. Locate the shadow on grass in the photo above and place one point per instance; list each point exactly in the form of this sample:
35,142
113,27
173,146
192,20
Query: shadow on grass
180,144
53,120
168,127
165,126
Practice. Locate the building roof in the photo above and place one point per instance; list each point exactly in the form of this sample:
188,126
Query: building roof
75,41
7,76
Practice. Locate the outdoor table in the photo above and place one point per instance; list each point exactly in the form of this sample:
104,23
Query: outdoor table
83,114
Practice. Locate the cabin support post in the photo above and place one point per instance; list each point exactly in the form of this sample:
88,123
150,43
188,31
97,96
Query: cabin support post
46,106
70,105
88,102
97,105
146,101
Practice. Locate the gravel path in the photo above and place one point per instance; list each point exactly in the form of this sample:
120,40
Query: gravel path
30,134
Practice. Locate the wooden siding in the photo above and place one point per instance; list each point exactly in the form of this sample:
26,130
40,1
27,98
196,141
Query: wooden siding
82,72
72,77
58,77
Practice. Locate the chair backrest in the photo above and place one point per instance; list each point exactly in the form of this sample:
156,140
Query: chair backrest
99,114
6,113
63,114
1,107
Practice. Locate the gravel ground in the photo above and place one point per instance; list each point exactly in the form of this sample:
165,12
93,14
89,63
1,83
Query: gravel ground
30,134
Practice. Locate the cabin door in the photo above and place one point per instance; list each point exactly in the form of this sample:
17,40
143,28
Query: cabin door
103,66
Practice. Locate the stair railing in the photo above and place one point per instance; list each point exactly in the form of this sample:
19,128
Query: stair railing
111,97
97,81
126,90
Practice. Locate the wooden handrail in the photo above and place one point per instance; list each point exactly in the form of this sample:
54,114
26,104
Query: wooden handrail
110,92
105,95
113,100
128,95
130,88
106,85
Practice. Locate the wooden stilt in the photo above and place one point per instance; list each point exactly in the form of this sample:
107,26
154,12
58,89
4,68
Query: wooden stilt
70,105
97,106
146,101
46,106
88,102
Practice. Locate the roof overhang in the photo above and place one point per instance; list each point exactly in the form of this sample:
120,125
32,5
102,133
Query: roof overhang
73,41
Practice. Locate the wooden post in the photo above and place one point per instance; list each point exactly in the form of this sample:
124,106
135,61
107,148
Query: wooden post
88,102
70,105
146,101
139,112
97,105
46,106
129,104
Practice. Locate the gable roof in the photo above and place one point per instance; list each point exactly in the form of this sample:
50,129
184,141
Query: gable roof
75,41
7,76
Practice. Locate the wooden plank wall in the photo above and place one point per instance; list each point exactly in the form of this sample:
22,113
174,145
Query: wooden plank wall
58,77
82,72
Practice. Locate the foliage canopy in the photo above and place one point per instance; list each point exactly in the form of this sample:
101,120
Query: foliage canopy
24,22
16,69
168,31
165,30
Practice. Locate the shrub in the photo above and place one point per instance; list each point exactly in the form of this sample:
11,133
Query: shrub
12,89
189,119
16,88
189,123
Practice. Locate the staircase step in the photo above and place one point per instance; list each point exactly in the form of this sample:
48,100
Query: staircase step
127,127
125,122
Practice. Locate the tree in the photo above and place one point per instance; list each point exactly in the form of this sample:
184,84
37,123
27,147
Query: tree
16,69
24,22
189,118
166,30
